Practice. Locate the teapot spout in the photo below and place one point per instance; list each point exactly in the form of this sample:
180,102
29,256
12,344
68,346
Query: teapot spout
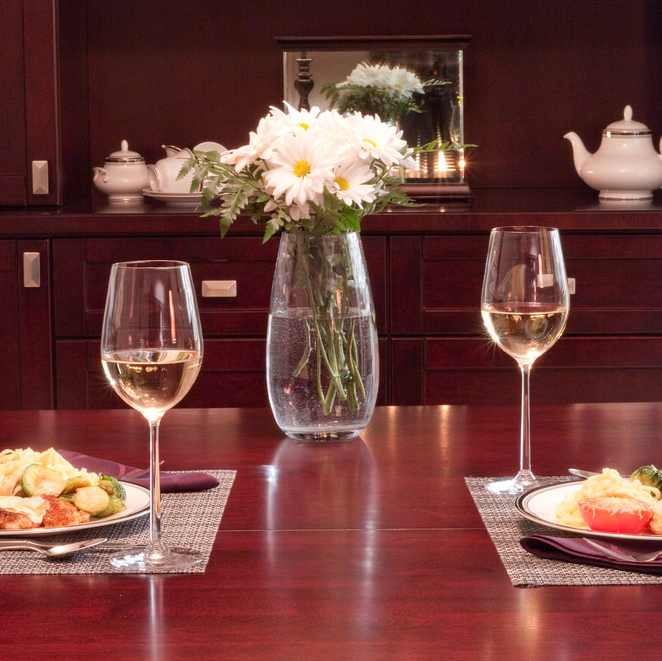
579,152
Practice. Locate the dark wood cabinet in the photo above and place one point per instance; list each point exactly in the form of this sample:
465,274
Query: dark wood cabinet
426,273
25,325
43,106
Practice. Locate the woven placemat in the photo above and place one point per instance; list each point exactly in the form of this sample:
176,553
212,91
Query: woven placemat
189,520
507,526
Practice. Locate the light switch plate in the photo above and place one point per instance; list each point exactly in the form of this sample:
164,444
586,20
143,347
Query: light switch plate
40,177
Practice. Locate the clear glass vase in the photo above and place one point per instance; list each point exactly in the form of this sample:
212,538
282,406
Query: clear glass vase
322,353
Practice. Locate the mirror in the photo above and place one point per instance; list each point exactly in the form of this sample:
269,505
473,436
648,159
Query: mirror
311,63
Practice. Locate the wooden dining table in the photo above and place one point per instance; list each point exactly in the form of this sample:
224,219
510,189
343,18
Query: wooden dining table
369,549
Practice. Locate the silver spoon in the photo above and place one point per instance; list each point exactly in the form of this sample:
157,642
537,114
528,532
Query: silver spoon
644,557
49,550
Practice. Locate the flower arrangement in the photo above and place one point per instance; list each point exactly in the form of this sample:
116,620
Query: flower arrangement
389,92
305,170
315,173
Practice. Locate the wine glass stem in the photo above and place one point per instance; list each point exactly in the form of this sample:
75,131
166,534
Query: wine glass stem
155,547
525,439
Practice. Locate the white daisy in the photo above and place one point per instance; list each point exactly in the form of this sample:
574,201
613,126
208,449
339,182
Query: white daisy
350,183
378,140
303,118
299,168
403,81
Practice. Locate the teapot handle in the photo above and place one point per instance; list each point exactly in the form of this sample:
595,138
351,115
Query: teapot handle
98,172
154,178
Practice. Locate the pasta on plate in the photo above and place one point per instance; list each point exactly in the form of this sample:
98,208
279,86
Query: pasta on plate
607,484
14,462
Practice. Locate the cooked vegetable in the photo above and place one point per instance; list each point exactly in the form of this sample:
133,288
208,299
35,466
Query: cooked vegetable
112,486
117,495
611,514
38,480
76,482
649,476
94,500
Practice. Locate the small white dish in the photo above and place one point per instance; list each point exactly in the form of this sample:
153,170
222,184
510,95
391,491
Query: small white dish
210,146
189,200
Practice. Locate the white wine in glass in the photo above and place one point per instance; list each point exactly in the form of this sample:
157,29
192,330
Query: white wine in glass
525,304
151,352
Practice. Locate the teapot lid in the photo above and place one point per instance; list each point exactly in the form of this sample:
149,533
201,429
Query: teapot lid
626,126
125,155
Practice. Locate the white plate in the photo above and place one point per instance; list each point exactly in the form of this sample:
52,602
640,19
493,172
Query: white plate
137,504
191,200
538,505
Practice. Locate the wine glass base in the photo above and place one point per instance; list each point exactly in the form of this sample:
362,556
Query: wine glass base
519,484
142,562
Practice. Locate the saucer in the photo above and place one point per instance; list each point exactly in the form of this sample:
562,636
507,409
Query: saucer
190,200
210,146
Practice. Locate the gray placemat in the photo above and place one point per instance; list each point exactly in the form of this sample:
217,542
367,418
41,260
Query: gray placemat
189,520
507,526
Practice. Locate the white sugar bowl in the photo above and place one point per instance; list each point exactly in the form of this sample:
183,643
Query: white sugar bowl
123,176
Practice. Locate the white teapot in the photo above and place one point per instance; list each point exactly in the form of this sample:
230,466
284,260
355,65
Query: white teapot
626,166
123,176
163,176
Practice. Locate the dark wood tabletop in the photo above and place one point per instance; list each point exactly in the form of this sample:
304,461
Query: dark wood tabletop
371,549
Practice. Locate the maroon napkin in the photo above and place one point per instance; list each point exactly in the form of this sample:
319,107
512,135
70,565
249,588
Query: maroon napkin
575,549
170,482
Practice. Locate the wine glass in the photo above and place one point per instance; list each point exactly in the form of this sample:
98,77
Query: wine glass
525,304
455,126
151,352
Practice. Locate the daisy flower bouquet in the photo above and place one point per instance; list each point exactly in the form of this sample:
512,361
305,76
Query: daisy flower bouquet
389,92
312,175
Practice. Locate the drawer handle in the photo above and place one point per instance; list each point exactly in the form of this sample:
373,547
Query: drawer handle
571,286
219,288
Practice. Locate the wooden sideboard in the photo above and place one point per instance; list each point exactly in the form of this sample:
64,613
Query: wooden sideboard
426,269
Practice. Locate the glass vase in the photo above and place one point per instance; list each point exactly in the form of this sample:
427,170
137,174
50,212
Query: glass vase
322,352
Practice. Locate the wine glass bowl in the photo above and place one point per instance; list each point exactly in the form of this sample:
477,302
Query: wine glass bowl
151,353
524,304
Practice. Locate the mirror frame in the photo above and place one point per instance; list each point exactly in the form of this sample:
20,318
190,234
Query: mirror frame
300,79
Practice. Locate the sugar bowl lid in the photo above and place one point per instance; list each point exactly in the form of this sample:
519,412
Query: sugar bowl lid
125,155
626,126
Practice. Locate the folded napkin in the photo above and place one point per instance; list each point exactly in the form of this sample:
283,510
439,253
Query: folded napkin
575,549
170,482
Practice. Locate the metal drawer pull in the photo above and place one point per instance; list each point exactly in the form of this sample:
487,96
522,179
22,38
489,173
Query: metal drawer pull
31,269
219,288
571,286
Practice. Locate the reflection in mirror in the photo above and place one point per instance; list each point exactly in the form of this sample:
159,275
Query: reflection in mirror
314,65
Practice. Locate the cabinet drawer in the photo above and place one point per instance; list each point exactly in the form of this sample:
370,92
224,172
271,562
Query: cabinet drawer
618,284
82,266
233,374
575,369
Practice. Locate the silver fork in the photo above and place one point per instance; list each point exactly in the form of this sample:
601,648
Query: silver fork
644,557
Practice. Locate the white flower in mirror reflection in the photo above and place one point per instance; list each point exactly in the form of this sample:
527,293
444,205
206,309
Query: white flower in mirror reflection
377,140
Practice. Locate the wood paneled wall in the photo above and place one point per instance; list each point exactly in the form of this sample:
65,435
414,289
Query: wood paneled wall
172,72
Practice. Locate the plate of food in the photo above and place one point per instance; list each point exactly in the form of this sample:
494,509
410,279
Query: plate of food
605,505
41,493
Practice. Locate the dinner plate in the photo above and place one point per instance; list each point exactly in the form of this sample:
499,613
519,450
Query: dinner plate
137,504
538,505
